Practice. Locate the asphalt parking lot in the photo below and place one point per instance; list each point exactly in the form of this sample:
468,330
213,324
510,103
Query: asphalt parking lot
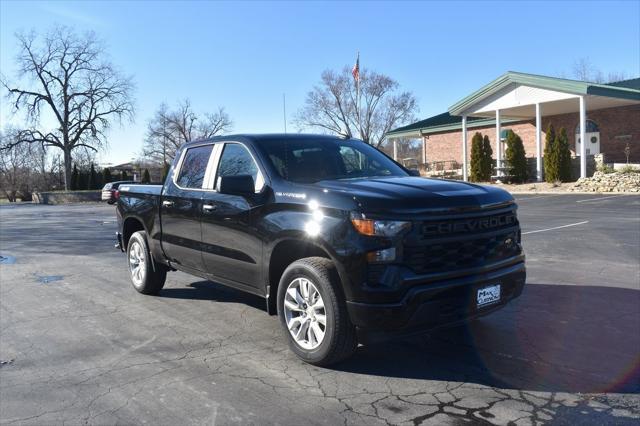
79,346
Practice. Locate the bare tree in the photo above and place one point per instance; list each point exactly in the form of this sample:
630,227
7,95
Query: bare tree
584,70
615,76
168,130
22,168
333,105
70,81
83,158
56,172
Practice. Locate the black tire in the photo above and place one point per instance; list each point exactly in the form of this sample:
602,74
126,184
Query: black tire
340,340
147,280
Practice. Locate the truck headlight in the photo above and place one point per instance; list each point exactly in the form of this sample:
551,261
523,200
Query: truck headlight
379,228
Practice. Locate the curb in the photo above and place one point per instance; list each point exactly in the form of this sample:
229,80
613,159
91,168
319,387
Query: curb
569,193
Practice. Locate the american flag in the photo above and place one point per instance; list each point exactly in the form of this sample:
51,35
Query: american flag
356,69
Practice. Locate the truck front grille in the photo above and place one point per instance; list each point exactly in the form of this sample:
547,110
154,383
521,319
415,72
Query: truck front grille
469,225
463,241
449,256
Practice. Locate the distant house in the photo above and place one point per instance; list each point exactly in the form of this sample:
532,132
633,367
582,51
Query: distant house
135,170
606,116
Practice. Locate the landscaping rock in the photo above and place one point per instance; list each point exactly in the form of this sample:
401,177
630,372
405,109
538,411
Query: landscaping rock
609,182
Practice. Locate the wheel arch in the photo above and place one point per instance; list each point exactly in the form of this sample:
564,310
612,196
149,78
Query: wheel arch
133,224
130,225
283,254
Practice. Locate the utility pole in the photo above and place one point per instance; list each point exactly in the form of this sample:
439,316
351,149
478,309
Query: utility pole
164,142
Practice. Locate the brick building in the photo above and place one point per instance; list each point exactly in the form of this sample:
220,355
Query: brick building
527,104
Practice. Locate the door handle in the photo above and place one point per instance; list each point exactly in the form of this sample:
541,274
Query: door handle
167,203
208,207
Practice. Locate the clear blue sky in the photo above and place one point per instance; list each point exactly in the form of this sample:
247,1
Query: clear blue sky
244,56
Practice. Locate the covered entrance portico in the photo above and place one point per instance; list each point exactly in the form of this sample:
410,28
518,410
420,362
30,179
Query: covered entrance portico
517,96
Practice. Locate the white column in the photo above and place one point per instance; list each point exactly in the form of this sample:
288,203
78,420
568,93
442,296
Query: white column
395,149
498,145
424,150
465,173
538,143
583,135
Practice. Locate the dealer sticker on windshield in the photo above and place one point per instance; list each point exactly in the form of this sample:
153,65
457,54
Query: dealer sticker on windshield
487,295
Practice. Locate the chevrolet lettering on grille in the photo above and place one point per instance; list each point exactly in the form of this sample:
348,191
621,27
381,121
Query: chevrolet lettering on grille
469,225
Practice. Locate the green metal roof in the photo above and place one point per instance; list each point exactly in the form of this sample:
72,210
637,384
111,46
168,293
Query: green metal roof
444,122
633,83
437,120
551,83
451,120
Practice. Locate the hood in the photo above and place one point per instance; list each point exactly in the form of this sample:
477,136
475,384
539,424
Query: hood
414,195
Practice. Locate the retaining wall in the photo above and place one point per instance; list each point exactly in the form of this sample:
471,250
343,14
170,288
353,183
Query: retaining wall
64,197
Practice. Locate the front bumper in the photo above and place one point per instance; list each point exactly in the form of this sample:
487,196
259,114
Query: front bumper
436,304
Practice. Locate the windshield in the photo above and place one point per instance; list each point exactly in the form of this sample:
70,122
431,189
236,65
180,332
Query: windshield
307,161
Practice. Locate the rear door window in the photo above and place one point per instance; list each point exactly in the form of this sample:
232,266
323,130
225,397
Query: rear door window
194,167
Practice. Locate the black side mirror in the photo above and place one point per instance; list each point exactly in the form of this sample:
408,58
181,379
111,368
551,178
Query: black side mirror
413,172
236,185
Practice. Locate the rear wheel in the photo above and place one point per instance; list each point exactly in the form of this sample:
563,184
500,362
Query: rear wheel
144,278
313,312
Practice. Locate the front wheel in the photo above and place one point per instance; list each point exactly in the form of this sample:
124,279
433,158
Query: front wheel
144,278
313,312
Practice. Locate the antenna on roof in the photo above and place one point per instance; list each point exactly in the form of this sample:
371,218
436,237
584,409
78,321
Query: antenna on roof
284,112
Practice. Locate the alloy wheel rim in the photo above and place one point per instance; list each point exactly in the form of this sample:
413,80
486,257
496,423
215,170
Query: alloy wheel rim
305,313
136,263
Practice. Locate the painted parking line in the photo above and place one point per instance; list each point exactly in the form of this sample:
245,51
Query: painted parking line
590,200
534,198
555,227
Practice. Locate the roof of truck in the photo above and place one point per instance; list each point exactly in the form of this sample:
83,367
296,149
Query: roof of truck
258,137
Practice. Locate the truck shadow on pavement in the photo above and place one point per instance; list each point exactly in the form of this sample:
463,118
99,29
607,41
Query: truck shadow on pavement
208,290
554,338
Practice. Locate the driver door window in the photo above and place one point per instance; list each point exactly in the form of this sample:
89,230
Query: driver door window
236,160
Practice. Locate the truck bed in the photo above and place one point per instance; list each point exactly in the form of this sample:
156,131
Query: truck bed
142,202
145,189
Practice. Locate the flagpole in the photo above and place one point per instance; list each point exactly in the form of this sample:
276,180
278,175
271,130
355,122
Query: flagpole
356,76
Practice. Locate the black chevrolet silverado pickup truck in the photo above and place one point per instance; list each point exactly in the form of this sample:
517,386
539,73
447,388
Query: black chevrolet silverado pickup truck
344,244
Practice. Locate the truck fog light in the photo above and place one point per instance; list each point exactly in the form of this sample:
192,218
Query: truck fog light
386,255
